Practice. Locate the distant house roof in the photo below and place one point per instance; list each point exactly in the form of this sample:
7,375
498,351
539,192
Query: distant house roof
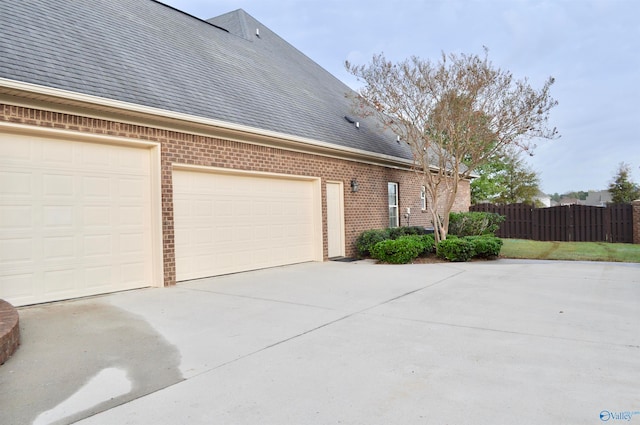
541,195
143,52
598,198
570,201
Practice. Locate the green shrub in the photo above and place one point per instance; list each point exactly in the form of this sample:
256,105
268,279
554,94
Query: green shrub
485,246
474,223
455,249
398,251
397,232
416,230
367,239
428,244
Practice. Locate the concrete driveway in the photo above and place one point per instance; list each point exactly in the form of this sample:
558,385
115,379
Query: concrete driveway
500,342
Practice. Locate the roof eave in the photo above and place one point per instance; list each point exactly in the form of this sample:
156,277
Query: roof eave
27,94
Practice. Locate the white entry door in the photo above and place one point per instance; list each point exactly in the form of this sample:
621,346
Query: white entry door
335,220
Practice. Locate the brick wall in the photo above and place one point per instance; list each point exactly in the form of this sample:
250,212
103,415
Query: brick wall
365,209
636,221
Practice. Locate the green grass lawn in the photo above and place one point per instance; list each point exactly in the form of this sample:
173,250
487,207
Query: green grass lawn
579,251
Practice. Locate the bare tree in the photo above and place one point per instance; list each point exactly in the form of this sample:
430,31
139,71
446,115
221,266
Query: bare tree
455,115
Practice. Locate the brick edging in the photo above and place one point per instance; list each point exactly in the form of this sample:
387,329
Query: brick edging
9,331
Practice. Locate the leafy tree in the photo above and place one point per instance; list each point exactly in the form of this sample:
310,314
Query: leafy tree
487,186
622,189
461,108
505,180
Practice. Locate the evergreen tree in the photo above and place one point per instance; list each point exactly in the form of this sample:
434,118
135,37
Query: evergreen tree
505,180
622,189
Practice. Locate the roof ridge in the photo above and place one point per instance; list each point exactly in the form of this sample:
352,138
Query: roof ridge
234,22
242,14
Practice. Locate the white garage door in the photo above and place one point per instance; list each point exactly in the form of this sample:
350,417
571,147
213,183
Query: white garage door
226,223
74,219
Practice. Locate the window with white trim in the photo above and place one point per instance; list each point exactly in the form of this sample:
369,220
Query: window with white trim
393,204
423,198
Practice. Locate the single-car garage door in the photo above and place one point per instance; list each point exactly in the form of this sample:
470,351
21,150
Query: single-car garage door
75,218
226,223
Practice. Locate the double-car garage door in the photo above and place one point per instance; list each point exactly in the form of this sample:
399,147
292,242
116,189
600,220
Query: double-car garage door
75,218
230,222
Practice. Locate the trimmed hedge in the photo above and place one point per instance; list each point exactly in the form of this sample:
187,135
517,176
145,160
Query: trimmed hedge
474,223
485,246
463,249
403,244
397,232
428,244
397,251
403,249
367,239
455,249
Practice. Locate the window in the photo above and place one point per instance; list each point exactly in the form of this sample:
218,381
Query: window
393,204
423,198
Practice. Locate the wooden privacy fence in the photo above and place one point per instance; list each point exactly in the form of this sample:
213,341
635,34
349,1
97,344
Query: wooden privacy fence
578,223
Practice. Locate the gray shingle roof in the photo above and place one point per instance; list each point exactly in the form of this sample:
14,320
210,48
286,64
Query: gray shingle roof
147,53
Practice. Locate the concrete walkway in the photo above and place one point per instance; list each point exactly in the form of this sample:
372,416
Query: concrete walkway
500,342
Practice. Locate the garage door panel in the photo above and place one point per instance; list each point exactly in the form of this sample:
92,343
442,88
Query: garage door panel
99,277
17,153
15,218
59,248
69,209
60,283
18,285
16,250
96,217
254,222
16,183
57,154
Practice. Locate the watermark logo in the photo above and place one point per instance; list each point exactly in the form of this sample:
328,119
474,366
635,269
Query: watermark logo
609,415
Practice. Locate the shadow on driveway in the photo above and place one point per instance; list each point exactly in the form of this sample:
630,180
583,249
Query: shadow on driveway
118,358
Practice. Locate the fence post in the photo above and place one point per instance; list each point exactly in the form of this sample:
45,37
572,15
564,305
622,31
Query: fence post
636,221
607,224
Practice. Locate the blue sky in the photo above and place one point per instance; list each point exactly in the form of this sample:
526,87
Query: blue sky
591,48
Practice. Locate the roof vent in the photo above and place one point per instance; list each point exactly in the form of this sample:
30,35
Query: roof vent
258,32
357,124
398,139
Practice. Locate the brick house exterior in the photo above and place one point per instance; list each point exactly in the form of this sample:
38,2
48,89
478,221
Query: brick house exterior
31,106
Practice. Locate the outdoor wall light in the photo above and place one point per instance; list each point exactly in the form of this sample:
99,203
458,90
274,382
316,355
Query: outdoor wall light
354,185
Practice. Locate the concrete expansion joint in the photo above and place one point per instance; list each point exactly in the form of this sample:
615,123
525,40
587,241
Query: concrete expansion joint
505,331
275,344
406,294
261,299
